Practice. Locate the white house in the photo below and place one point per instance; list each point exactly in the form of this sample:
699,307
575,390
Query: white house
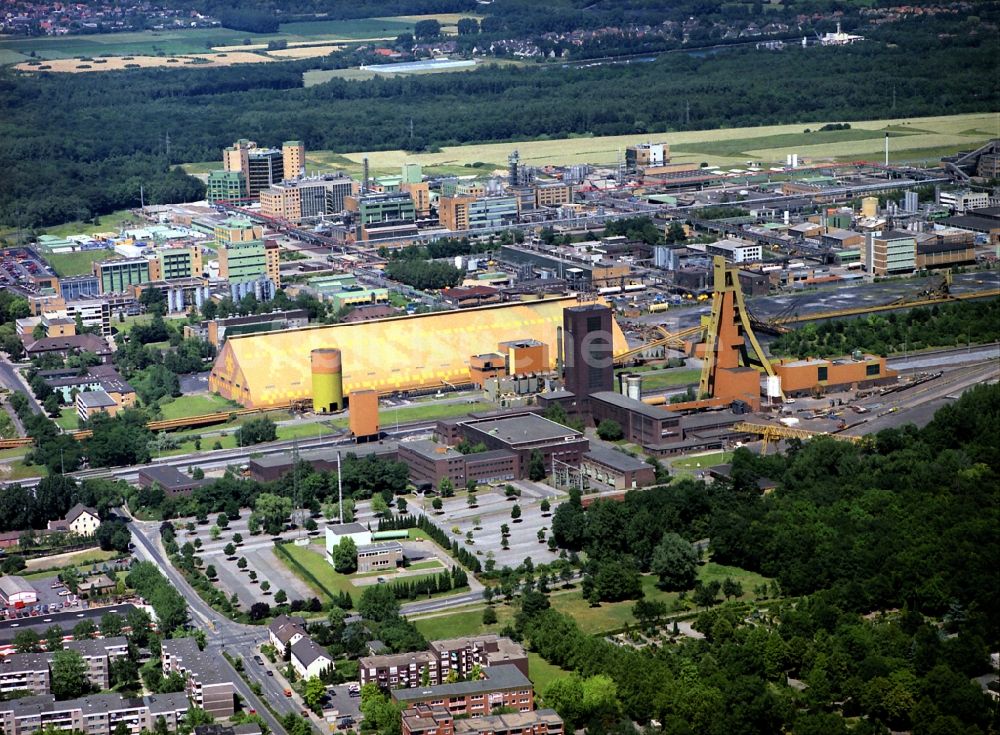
285,630
309,659
83,521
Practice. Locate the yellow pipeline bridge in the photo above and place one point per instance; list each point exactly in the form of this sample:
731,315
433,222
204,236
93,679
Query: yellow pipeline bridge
770,433
666,339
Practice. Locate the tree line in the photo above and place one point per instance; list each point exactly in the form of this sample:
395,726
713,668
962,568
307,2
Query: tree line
80,146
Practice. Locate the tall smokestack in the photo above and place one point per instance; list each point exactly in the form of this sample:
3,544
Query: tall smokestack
887,150
559,350
364,175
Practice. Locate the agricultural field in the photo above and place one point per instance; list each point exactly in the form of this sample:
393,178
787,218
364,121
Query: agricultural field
156,48
909,140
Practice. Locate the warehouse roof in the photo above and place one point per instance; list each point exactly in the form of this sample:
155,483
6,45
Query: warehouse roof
274,368
631,404
14,585
613,458
524,428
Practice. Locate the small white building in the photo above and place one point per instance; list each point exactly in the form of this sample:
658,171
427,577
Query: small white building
335,533
736,251
17,591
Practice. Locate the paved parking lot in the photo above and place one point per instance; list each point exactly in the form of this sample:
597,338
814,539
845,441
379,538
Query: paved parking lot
493,510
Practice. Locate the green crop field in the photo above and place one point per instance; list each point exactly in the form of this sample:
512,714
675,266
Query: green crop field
729,146
78,263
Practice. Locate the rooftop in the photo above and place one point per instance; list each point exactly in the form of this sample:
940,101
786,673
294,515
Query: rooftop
169,478
497,678
205,666
431,450
512,722
384,546
307,651
95,399
345,528
614,458
524,429
13,585
631,404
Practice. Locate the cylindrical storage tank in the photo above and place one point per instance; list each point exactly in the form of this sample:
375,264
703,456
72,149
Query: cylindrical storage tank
327,379
633,384
622,388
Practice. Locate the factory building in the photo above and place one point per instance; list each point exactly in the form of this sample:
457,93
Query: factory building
274,368
811,376
893,253
589,352
301,199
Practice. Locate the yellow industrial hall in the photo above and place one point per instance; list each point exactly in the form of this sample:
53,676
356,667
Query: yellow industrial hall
401,353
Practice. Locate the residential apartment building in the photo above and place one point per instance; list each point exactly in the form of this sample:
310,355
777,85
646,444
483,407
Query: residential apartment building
25,672
425,719
208,678
891,253
501,686
115,276
32,671
97,714
458,655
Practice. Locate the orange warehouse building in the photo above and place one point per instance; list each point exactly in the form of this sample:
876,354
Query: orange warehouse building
801,377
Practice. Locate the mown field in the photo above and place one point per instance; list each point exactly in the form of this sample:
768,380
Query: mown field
911,139
200,40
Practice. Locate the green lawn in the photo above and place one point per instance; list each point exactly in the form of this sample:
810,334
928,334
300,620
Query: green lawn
613,615
542,673
78,263
185,406
389,416
68,419
701,461
467,621
324,582
669,378
107,223
432,564
18,470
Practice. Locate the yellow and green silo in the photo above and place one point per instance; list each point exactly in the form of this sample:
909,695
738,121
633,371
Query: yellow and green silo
327,380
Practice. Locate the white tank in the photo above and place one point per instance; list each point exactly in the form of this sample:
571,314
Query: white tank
633,384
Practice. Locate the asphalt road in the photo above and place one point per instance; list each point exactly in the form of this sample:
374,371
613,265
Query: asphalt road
222,634
11,379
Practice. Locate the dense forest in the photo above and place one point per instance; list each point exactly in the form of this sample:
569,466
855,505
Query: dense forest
944,325
886,557
77,145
